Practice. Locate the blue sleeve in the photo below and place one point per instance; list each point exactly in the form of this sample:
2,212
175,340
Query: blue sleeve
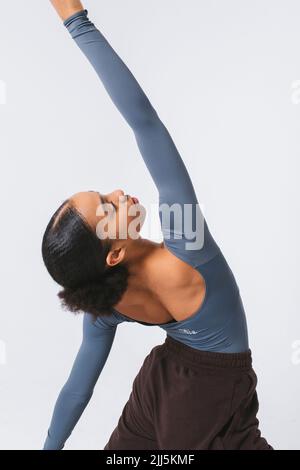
96,343
191,241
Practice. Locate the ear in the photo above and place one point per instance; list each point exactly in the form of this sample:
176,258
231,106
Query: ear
115,256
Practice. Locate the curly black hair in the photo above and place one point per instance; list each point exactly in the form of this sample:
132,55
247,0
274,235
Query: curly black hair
75,258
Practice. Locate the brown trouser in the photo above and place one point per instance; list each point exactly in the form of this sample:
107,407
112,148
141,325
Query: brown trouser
184,398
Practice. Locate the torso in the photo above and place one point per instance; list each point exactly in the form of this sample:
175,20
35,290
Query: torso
169,289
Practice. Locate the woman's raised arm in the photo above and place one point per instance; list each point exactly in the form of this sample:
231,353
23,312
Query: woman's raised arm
154,141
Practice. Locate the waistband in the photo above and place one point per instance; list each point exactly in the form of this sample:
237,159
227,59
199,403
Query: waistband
240,360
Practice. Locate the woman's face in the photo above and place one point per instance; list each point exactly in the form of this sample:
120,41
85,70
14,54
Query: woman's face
113,215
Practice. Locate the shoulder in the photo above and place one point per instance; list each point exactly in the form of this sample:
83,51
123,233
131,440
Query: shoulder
168,271
175,266
94,327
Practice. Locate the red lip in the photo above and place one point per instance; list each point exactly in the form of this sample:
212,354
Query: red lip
135,200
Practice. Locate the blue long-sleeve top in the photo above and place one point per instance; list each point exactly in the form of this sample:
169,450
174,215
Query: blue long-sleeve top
219,324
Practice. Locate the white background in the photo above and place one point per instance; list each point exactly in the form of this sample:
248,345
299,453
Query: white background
220,75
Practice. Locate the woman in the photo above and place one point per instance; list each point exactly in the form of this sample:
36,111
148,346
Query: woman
197,390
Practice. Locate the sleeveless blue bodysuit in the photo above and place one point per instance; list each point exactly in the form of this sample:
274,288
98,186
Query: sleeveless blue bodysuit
219,324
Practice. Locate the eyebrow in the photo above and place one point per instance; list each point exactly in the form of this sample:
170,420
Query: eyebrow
100,197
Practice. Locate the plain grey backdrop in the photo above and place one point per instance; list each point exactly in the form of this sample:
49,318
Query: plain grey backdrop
224,77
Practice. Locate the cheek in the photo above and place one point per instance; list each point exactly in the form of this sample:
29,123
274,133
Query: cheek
126,222
136,218
122,222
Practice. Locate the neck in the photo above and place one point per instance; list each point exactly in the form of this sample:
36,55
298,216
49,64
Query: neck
139,252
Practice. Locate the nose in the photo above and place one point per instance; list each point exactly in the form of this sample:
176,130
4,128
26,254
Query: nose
118,193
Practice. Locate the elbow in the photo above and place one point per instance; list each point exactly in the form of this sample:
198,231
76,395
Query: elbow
77,398
145,115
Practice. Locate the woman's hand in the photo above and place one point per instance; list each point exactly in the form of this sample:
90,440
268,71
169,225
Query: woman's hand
66,8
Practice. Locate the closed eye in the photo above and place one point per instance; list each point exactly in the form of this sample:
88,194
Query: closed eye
102,200
110,202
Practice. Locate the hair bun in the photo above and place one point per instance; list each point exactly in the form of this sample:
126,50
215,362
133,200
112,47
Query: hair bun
99,296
